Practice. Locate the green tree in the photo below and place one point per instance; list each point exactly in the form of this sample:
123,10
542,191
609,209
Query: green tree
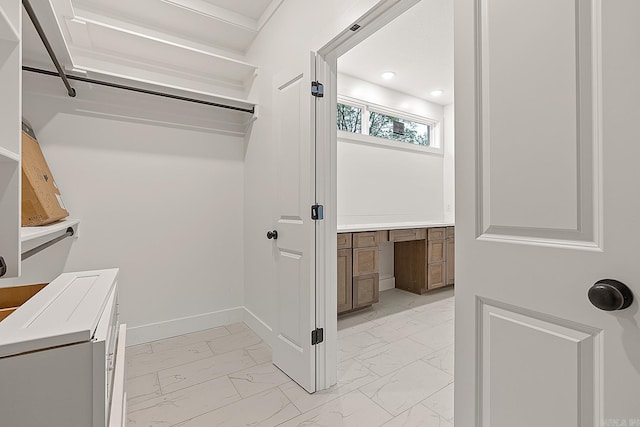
349,118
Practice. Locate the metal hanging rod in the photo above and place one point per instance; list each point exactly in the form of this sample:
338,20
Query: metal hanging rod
36,23
72,92
40,248
135,89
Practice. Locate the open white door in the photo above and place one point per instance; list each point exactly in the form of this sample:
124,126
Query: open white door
294,133
547,149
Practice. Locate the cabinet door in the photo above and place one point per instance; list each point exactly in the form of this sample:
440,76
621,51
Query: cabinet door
365,290
345,287
436,251
365,261
436,275
451,255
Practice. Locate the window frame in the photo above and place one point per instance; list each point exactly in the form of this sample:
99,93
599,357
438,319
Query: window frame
364,137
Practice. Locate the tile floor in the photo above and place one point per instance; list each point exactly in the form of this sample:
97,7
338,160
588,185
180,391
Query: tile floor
395,368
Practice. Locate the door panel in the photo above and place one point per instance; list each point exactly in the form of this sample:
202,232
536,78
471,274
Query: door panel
294,133
522,354
537,118
546,177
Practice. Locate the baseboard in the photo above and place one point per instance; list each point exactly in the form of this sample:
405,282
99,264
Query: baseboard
388,283
258,326
185,325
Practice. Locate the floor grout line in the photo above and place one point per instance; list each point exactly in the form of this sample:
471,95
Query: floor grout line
397,303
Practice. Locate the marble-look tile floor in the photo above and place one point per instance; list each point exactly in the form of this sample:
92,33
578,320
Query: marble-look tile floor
395,368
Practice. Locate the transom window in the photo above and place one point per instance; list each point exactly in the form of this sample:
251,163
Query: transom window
379,122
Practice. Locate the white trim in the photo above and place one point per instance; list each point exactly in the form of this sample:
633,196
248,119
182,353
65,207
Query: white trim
375,18
259,326
358,138
185,325
386,284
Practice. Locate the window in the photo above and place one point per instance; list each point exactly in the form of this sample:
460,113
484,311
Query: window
349,118
397,129
381,123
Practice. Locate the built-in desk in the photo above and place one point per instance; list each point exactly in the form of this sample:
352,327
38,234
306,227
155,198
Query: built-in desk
423,260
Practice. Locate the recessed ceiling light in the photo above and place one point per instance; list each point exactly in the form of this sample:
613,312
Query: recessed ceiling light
388,75
437,92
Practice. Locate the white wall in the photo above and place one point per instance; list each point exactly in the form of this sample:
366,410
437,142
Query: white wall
162,202
449,171
387,184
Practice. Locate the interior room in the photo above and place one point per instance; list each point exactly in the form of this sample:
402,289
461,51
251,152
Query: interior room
251,212
155,138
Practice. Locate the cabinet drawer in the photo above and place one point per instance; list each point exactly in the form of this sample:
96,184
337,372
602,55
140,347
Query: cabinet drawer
365,290
365,240
437,233
436,275
436,251
344,240
407,235
365,261
451,232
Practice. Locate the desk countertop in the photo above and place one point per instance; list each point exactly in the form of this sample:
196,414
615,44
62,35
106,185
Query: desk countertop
351,228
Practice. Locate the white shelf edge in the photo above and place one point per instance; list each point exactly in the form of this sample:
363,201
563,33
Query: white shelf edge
8,154
242,103
9,29
31,233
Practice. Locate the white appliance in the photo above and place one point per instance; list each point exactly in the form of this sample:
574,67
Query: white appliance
62,358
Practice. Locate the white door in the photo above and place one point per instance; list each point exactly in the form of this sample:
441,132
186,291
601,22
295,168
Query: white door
294,134
547,148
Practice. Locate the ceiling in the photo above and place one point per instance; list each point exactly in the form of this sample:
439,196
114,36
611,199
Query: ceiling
417,46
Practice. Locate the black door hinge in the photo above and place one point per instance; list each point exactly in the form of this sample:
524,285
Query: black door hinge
317,336
317,212
317,89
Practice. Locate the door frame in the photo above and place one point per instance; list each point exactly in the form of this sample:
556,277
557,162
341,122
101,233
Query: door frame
373,20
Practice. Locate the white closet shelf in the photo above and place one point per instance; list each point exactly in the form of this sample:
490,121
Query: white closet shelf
28,234
127,76
8,156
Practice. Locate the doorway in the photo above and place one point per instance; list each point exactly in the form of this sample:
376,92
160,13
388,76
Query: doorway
374,175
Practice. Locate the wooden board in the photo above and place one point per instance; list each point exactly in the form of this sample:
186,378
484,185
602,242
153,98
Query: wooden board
409,264
17,295
345,281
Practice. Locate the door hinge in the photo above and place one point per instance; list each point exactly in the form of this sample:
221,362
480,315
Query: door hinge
317,336
317,89
317,212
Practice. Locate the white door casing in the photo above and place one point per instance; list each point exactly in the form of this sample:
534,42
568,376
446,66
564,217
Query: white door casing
546,205
294,134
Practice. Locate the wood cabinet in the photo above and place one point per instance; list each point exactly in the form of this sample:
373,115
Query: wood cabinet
345,281
358,280
423,260
365,290
451,256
